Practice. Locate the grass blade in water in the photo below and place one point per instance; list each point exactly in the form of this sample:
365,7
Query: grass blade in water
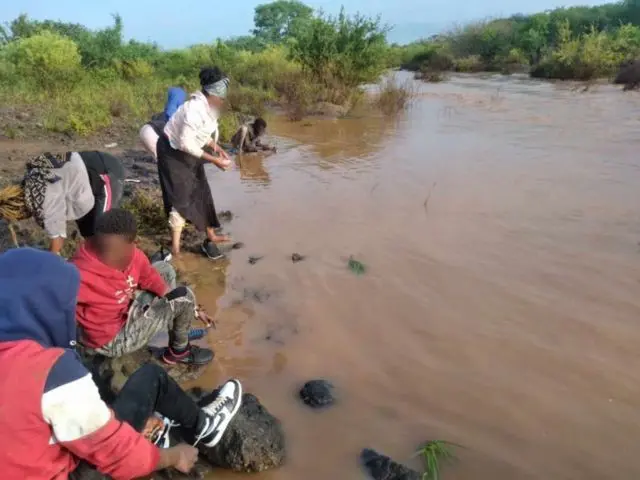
356,267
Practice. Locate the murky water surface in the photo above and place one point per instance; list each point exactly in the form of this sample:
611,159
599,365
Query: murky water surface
499,220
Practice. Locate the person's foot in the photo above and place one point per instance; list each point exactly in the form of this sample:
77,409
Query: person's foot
161,256
220,238
193,355
219,413
211,250
197,333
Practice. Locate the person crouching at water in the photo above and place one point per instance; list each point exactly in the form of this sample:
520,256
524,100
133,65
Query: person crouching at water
182,156
151,131
52,413
248,138
76,186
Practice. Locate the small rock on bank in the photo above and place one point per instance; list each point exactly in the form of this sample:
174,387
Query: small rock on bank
317,393
253,442
381,467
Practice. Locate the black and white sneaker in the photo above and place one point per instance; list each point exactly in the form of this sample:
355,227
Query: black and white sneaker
219,413
211,250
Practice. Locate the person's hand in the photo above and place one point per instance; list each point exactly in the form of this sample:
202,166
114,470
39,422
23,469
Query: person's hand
223,164
186,457
220,151
204,317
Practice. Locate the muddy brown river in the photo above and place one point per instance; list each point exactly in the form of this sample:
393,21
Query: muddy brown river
499,220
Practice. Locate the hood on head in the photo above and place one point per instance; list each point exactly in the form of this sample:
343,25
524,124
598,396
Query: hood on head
38,292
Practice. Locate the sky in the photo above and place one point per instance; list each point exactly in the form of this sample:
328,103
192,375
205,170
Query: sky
179,23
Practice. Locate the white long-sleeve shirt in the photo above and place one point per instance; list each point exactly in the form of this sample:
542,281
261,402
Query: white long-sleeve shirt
191,127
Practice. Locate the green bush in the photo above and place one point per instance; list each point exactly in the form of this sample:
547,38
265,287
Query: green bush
348,49
591,55
48,59
469,64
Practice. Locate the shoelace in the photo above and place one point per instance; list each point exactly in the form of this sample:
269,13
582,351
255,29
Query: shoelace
163,436
212,410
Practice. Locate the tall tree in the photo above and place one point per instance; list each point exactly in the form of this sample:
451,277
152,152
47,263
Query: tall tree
278,20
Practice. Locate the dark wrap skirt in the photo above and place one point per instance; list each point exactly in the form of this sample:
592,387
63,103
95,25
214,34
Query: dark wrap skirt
184,186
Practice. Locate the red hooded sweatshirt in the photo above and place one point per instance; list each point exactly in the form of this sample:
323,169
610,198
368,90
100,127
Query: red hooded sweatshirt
52,414
105,293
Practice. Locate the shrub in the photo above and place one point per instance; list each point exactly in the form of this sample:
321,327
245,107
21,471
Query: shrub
134,70
591,55
227,126
48,59
431,57
470,64
395,97
348,49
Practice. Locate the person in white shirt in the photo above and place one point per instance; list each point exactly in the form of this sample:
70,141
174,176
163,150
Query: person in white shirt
190,140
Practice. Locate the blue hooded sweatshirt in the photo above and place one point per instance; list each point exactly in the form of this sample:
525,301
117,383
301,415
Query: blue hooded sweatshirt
175,97
38,293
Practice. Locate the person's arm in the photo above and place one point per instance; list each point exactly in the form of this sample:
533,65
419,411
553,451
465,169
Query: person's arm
56,245
264,146
83,424
213,145
54,212
189,143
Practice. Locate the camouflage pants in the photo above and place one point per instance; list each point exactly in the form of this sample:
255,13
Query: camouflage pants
149,315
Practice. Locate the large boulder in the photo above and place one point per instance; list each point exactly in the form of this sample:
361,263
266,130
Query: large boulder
253,442
381,467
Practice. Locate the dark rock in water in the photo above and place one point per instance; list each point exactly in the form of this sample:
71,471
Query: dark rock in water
253,442
381,467
225,215
317,393
253,260
629,75
296,257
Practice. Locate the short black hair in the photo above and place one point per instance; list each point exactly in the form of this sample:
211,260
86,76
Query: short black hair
259,124
209,75
117,222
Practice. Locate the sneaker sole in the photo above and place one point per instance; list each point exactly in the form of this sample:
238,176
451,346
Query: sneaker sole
178,362
225,423
204,250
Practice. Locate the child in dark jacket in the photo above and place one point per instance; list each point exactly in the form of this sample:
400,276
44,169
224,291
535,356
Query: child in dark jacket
124,301
52,414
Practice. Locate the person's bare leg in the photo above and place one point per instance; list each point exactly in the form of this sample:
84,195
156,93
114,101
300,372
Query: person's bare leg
212,236
176,235
176,224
